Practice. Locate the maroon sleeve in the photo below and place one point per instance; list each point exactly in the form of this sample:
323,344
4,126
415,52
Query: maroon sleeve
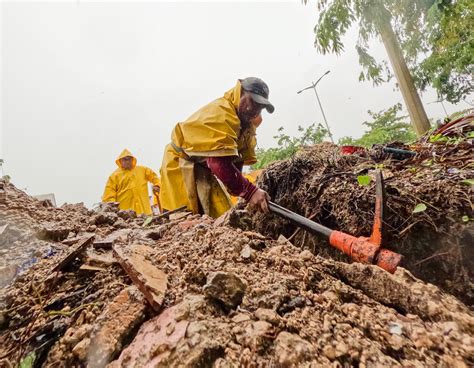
227,172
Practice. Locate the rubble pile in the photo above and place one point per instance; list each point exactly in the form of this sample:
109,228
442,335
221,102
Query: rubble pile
428,213
31,229
190,291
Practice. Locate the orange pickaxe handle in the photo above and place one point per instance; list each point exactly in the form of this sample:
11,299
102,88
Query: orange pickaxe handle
359,249
362,250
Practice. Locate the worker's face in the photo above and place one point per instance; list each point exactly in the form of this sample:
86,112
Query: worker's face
248,108
127,162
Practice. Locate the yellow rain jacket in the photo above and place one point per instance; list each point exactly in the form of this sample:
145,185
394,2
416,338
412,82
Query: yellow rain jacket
130,187
212,131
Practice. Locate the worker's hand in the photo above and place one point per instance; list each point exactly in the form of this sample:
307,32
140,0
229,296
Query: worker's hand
156,189
259,200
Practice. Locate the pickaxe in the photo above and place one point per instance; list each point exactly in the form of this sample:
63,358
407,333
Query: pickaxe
360,249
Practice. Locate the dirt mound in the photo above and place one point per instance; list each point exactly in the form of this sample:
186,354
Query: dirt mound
428,213
187,291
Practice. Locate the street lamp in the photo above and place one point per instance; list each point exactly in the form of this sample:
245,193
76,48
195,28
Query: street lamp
442,104
313,86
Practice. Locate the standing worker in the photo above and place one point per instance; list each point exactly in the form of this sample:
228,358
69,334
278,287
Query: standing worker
214,143
128,185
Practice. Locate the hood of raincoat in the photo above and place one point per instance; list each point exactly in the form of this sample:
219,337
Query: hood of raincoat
233,95
214,129
126,153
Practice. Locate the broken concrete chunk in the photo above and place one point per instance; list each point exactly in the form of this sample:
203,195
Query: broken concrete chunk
151,281
80,349
306,255
88,269
268,315
104,244
179,215
226,287
83,244
291,350
109,207
240,317
118,236
105,218
100,259
127,214
115,323
254,334
329,352
246,252
404,291
51,231
72,241
155,341
178,337
120,223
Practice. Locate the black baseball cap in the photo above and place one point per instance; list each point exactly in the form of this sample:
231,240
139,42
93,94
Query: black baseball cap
258,91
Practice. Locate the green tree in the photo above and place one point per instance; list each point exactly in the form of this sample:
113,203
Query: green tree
287,146
449,67
385,127
399,23
435,38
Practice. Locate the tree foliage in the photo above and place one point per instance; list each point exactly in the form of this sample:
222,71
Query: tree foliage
385,127
449,68
287,146
435,37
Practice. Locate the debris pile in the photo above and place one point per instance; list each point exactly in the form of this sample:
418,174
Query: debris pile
189,291
31,229
428,213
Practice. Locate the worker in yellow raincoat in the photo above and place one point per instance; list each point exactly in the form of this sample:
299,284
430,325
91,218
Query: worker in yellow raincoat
128,185
207,152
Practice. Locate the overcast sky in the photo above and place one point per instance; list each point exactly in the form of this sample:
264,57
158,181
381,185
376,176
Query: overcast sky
80,81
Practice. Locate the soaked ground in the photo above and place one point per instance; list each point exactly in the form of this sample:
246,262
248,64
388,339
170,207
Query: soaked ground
231,298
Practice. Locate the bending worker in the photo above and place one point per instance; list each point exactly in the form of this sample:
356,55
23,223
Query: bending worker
128,185
214,143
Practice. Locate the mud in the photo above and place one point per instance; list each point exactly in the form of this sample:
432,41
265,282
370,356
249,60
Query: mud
233,298
322,184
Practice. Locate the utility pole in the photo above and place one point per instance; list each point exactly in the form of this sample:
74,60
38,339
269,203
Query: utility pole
442,104
313,86
410,95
